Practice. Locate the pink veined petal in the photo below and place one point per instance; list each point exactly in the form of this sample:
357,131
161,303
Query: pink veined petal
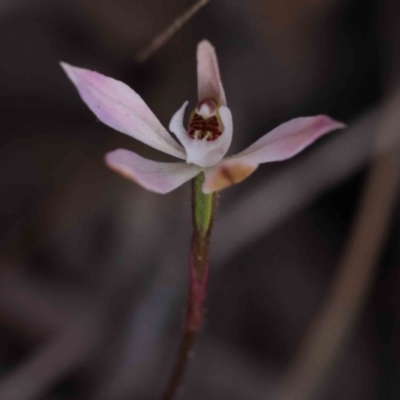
226,173
288,139
209,82
159,177
119,107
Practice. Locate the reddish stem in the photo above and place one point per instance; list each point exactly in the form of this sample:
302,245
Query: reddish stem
198,274
193,324
198,279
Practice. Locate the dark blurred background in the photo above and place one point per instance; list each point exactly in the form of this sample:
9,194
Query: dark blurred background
94,272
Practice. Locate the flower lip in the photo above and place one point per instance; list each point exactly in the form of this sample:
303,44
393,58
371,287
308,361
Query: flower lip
205,122
204,153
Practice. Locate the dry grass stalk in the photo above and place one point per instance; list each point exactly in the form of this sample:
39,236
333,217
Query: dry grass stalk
331,328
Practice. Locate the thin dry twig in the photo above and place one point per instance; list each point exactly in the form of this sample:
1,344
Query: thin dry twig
163,37
332,326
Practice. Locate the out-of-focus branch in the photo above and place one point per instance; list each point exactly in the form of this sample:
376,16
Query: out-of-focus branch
37,311
52,362
332,326
294,186
228,373
163,37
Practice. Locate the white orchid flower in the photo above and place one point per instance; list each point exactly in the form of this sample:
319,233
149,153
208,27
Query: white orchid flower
203,144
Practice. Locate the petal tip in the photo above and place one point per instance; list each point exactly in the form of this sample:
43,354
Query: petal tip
70,70
113,159
335,124
64,65
206,44
109,156
77,74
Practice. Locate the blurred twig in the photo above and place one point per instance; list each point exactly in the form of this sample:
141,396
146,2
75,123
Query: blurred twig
54,360
37,311
228,373
163,37
332,326
294,186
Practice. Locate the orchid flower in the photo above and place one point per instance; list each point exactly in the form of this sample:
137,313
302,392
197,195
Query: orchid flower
203,145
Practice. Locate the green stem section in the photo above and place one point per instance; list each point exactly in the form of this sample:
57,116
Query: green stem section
204,206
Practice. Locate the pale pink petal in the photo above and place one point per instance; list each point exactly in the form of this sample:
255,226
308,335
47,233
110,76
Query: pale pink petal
159,177
209,82
226,173
283,142
119,107
199,151
288,139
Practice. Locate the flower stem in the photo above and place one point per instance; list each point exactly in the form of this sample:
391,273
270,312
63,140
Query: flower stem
203,212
